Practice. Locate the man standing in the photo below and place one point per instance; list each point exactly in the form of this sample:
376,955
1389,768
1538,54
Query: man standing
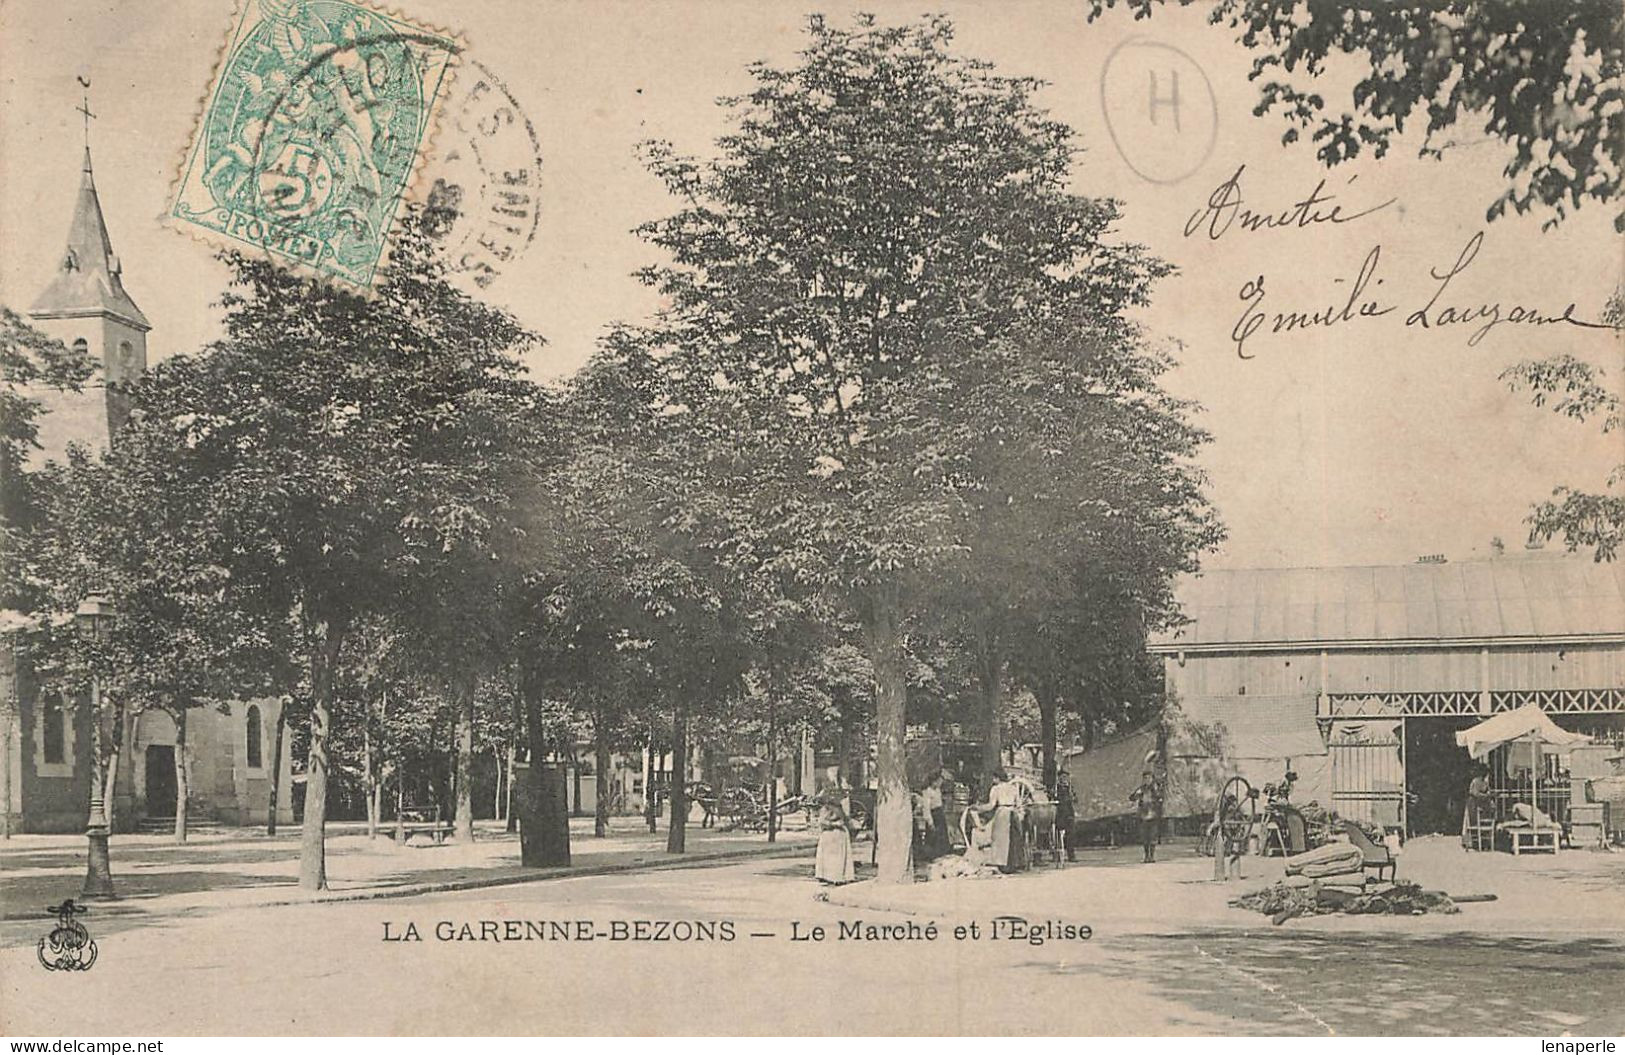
1149,799
1066,814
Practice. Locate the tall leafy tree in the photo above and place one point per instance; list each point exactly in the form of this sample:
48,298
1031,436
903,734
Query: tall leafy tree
1075,466
31,366
184,636
881,210
346,455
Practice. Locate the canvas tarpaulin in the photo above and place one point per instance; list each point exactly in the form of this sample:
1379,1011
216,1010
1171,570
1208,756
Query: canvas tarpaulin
1256,737
1259,726
1103,777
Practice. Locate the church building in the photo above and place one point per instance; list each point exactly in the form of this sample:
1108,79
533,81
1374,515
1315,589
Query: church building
46,741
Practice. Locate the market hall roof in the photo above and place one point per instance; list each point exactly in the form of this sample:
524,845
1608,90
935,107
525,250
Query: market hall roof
1458,602
87,281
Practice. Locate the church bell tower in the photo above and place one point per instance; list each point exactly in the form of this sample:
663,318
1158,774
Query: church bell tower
85,305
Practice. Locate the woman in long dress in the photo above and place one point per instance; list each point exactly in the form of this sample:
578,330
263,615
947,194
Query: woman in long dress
936,820
834,861
1009,843
1480,805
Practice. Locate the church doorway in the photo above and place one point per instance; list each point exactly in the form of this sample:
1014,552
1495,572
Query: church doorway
161,781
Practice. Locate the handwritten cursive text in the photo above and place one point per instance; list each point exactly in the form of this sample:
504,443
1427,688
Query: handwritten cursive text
1356,306
1224,209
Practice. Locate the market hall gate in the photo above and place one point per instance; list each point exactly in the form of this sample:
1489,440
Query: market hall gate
1373,739
1368,772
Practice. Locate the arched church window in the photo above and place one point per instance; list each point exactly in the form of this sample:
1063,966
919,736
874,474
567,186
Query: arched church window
81,347
55,739
255,759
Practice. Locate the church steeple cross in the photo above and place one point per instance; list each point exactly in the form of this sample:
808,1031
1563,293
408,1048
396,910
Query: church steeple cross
84,108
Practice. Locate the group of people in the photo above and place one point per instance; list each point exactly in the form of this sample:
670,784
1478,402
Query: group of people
996,838
998,835
998,831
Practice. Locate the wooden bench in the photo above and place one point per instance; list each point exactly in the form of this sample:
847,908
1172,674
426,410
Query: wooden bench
1535,840
436,829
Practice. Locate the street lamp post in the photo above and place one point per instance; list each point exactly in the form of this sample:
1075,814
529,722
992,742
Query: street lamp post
94,614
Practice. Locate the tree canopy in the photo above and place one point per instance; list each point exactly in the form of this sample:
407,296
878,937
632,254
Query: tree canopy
1545,78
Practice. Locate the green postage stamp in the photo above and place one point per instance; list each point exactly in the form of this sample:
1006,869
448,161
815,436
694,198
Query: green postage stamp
319,114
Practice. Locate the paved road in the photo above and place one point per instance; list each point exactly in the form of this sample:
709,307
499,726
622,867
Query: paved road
327,969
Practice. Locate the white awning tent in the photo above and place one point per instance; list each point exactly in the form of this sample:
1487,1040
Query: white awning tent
1526,725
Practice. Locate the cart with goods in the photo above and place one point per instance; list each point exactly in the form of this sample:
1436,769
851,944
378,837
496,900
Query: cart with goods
1288,829
1038,820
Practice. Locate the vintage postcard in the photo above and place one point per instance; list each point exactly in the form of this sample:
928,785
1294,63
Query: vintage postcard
802,518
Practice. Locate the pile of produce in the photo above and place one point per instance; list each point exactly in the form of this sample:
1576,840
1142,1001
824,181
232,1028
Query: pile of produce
1284,901
1273,900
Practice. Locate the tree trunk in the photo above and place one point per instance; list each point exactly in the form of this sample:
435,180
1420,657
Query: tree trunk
600,754
7,719
102,759
496,791
110,788
649,808
313,832
989,677
575,785
797,784
99,862
369,780
544,831
843,752
894,816
464,827
677,825
772,769
122,732
182,789
1046,735
513,755
507,790
276,765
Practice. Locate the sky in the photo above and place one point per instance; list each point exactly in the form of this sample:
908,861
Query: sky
1366,441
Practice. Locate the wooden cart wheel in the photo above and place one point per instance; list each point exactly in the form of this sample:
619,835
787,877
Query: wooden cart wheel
1233,817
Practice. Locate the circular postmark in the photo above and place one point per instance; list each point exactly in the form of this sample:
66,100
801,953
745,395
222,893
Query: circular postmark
1160,109
335,153
483,199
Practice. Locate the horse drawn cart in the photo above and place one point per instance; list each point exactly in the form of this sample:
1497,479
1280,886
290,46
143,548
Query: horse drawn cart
744,806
